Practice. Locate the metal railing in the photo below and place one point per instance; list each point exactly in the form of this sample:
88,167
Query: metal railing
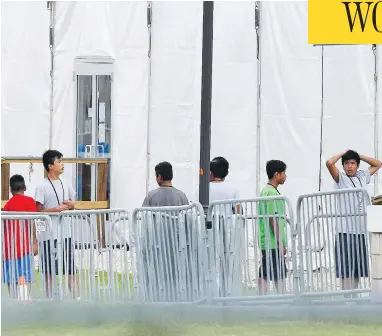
178,254
333,249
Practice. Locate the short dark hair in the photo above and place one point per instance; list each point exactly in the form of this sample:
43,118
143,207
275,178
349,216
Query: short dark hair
164,169
219,167
351,155
275,166
49,156
17,183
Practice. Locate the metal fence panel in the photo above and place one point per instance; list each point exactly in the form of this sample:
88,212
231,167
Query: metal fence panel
333,245
95,262
250,262
21,247
171,251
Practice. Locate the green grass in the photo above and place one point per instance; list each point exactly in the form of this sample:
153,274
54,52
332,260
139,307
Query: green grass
259,329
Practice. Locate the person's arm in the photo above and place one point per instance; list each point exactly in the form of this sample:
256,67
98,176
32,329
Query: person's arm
72,198
40,201
331,165
374,164
275,227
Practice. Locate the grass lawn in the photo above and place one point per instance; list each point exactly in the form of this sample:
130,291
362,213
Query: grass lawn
188,329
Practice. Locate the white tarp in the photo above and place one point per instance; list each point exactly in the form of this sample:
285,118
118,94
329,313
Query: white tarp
118,30
348,103
25,84
291,81
175,92
290,96
380,115
234,92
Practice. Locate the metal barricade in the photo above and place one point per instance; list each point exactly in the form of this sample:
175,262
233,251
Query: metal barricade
333,248
95,261
247,255
171,249
21,247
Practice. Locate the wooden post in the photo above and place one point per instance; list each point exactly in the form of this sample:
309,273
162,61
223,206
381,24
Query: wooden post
5,181
101,196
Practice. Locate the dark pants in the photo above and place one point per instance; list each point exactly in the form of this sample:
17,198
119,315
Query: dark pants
67,257
273,265
351,253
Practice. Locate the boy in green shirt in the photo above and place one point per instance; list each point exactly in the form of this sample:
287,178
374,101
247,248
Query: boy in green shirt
273,241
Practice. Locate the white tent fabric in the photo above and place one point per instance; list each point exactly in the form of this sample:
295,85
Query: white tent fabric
290,96
291,87
234,92
175,92
118,30
25,89
25,84
379,98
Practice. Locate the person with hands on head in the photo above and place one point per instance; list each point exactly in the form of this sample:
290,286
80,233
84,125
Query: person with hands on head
351,252
55,195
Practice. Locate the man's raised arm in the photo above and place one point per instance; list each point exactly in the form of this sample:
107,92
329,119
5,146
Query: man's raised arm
374,164
331,165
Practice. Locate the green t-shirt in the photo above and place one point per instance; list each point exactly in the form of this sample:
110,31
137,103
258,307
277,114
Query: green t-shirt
270,208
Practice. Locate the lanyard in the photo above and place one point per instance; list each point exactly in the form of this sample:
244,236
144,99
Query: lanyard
54,189
359,200
274,188
351,180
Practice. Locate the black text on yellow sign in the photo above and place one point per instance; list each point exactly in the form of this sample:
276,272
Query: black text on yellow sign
344,22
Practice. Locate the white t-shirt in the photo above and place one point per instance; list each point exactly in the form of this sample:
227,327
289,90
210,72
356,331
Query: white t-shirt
223,191
50,195
352,204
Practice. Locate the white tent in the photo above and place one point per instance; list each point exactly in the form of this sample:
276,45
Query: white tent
155,101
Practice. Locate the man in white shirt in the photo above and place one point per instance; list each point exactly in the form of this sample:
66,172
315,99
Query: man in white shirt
55,195
221,190
351,252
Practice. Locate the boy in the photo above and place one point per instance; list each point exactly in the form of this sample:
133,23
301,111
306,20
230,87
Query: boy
55,195
351,253
220,191
273,240
17,248
166,194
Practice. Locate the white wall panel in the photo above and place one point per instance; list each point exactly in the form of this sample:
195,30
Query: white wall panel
25,62
118,30
380,116
25,85
234,91
290,96
175,91
348,103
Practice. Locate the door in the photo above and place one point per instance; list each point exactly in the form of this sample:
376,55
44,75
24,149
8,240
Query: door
93,129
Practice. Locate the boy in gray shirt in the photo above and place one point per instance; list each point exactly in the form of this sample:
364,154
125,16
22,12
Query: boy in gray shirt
351,253
55,195
166,194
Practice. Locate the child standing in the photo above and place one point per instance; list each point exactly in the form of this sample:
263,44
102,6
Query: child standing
17,258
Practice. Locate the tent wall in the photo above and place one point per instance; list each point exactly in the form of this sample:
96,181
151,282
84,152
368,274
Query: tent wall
175,92
117,30
25,83
290,96
379,119
305,95
234,93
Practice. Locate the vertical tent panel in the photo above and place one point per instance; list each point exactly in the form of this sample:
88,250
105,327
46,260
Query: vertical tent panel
175,91
290,96
348,103
379,100
234,92
116,30
25,59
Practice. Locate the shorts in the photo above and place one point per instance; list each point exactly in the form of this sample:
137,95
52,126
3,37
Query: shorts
273,266
16,268
351,254
67,257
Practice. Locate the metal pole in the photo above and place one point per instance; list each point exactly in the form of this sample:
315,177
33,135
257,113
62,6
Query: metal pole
205,122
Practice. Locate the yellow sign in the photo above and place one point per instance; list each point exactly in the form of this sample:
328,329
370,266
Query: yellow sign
344,22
